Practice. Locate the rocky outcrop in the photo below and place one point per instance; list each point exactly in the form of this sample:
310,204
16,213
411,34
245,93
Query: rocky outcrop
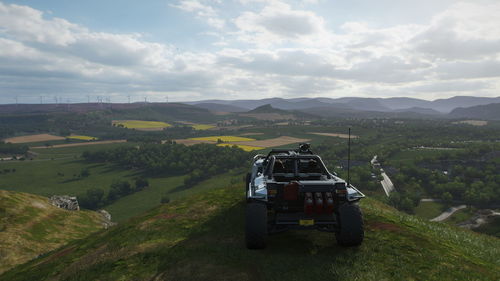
106,219
65,202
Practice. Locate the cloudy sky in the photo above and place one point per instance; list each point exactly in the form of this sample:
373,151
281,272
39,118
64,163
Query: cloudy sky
233,49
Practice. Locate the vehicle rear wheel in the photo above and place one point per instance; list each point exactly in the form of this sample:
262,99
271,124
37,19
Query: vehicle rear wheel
351,230
256,225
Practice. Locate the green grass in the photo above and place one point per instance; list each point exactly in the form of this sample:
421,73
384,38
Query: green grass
461,215
490,228
201,238
139,202
41,177
429,210
30,226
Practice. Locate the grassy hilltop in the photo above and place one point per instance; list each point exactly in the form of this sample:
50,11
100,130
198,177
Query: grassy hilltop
30,226
201,238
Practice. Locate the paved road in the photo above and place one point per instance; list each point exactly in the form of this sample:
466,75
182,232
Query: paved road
448,213
386,182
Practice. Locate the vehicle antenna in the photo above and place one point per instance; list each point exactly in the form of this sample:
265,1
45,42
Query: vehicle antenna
349,158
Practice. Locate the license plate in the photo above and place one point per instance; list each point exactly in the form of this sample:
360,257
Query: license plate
306,222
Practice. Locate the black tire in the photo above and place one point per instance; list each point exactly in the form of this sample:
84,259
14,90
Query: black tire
351,230
256,225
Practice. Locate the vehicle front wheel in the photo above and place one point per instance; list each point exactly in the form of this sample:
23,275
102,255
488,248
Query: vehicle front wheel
350,231
256,225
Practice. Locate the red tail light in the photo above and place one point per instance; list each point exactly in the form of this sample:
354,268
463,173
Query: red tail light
308,203
318,200
328,202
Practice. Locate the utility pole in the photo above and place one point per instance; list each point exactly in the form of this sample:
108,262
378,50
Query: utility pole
41,99
128,98
88,98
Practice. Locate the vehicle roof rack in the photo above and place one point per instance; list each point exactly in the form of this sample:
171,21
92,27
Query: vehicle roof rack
304,148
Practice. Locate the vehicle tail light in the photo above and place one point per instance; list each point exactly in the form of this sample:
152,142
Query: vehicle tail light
328,202
318,199
308,203
291,191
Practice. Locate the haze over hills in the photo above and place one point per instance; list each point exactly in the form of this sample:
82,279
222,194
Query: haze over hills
488,112
315,107
357,103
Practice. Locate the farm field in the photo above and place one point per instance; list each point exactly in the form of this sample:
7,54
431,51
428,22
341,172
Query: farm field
84,138
141,125
202,127
222,138
472,122
242,146
429,210
279,141
343,136
34,138
57,170
139,202
79,144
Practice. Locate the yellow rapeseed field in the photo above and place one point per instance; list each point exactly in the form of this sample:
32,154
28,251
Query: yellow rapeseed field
139,124
223,138
244,147
78,137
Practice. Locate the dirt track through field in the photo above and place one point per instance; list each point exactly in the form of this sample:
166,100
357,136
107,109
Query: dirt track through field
34,138
81,144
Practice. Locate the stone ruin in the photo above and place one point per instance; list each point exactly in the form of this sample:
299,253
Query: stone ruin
65,202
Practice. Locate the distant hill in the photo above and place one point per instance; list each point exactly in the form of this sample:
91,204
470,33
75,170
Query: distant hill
216,107
396,104
447,105
268,109
31,226
420,110
484,112
160,111
202,238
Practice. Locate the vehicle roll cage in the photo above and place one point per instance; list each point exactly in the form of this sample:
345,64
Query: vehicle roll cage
272,160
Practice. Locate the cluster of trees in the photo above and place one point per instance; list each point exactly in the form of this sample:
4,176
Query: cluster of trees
96,197
10,148
174,159
466,171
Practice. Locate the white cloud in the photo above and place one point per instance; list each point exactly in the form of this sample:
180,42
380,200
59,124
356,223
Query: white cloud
464,31
277,22
202,11
273,49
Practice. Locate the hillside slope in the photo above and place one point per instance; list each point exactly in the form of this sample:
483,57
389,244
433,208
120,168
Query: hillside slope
201,238
30,226
484,112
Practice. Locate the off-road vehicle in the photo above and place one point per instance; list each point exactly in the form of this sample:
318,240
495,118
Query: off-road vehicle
293,189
